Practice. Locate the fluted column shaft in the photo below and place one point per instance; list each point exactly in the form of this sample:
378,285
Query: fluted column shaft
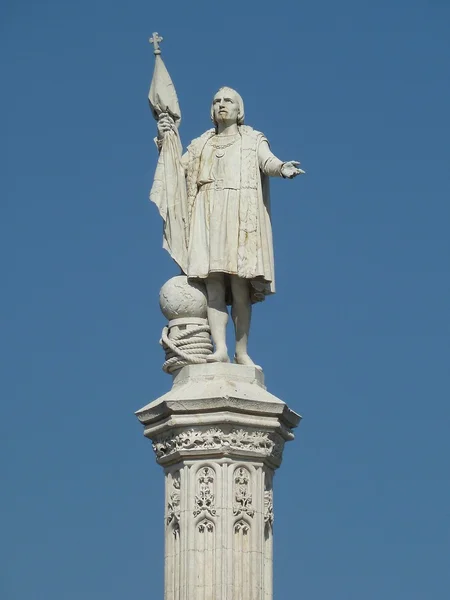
219,452
218,531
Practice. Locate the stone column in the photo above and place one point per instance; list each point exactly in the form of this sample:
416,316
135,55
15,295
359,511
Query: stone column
219,435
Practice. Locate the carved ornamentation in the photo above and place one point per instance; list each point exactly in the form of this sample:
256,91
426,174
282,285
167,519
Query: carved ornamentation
268,499
206,526
242,526
204,500
261,442
268,508
173,504
242,496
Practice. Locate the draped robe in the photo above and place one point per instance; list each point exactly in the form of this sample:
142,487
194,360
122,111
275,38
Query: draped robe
229,208
217,212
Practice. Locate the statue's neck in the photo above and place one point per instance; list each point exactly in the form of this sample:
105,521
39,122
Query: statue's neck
223,129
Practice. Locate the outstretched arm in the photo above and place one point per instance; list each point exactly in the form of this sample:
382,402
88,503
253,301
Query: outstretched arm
273,166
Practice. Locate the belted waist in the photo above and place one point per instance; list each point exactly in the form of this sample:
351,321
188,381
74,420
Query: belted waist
218,184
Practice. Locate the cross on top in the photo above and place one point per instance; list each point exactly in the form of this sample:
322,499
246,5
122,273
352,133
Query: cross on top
155,40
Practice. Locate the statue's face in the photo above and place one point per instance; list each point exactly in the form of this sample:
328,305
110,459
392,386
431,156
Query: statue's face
225,107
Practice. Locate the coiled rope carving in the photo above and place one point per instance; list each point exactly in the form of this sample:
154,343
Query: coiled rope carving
188,347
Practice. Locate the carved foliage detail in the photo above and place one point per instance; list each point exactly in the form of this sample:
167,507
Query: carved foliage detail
268,507
268,501
204,499
242,496
173,504
262,442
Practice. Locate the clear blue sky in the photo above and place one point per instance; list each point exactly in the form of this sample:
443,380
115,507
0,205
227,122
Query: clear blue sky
356,339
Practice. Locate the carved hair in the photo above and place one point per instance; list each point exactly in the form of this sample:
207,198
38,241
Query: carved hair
241,114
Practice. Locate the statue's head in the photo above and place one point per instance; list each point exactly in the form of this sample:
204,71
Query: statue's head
227,106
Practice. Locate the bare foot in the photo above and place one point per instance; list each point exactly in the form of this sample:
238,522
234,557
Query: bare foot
244,359
218,356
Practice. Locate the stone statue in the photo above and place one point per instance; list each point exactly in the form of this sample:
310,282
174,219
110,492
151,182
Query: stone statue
215,201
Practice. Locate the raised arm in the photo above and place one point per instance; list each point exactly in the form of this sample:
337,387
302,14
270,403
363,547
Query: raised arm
166,124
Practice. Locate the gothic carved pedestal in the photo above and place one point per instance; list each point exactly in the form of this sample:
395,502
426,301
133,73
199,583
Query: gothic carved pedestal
219,435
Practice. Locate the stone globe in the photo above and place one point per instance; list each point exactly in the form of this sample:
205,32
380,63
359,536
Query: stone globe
181,299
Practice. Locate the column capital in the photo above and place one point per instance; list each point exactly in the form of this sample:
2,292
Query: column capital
218,410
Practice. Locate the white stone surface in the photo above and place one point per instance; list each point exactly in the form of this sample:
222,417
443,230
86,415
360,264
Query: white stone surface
180,298
219,434
215,203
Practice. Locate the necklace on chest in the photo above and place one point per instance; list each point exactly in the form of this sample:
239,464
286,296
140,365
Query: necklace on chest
220,147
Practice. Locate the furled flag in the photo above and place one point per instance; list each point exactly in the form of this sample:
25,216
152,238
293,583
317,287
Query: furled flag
169,186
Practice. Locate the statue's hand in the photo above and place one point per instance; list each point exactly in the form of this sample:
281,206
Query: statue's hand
165,124
290,169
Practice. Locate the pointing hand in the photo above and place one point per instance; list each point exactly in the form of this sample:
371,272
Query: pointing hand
290,169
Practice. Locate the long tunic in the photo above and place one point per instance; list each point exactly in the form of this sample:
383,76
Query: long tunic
229,230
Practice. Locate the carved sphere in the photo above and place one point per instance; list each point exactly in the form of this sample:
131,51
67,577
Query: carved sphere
180,299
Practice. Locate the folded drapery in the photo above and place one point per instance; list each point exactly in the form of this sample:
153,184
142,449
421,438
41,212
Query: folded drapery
169,186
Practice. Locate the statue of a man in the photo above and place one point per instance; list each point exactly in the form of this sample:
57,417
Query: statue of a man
229,240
